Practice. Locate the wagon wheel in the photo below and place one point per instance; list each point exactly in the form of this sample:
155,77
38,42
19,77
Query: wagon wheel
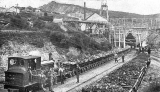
30,90
27,90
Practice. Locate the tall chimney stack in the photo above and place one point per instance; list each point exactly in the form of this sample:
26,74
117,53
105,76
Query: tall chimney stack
84,10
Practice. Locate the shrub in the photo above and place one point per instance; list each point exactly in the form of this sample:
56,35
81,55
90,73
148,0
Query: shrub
38,24
53,26
18,22
106,45
37,43
2,38
94,45
78,40
58,39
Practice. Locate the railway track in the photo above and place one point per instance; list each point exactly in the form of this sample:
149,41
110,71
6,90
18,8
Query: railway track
93,64
87,66
97,76
91,79
99,73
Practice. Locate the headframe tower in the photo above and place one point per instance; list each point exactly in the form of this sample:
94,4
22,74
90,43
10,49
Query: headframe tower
104,9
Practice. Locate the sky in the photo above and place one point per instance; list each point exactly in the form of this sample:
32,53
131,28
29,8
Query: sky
143,7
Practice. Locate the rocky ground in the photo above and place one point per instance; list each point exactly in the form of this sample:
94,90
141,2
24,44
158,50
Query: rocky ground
122,79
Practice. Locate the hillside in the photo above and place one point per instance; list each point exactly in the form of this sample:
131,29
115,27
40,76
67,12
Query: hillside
70,9
59,43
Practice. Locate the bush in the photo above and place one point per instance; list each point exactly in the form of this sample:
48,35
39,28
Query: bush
2,39
37,43
53,26
106,45
18,22
78,40
38,24
59,39
94,45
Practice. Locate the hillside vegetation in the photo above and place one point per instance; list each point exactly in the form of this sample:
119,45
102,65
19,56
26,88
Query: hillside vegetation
22,42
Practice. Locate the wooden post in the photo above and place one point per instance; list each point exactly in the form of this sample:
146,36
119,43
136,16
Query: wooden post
124,38
140,39
84,10
119,38
115,37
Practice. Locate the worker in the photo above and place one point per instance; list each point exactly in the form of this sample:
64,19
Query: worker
30,74
77,72
55,72
51,80
43,80
61,72
116,57
55,77
149,51
122,57
148,62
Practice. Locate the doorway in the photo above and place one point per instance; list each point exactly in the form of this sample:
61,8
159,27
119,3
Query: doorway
130,40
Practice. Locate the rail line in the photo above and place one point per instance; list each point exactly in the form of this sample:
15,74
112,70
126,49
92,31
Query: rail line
100,75
91,65
95,77
92,78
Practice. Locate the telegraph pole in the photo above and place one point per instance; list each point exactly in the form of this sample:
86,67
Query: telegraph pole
16,8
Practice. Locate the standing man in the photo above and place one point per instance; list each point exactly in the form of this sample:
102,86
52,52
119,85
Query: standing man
51,80
30,74
56,70
149,51
61,71
77,72
55,77
148,62
123,57
116,57
43,80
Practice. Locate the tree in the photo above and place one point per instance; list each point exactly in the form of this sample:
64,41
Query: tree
18,22
38,23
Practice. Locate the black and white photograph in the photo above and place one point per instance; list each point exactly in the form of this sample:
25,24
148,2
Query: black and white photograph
79,46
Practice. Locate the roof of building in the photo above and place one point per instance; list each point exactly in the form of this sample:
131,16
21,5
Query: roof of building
96,17
25,57
86,21
2,8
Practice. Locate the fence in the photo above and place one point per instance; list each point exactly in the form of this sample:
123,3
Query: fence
140,78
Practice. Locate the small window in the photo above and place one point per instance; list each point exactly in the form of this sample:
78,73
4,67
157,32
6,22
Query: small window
35,60
21,63
12,62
